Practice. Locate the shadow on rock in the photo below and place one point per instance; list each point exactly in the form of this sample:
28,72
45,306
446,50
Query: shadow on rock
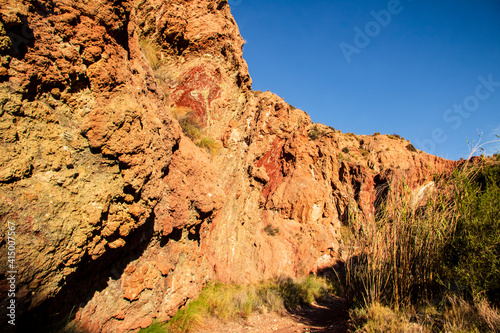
91,276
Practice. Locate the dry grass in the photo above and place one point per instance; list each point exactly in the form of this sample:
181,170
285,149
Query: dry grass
455,315
152,53
209,144
476,316
231,302
377,318
488,314
192,128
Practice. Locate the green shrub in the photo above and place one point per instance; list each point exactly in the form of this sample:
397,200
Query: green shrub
394,136
345,150
155,327
271,231
303,291
209,144
314,133
474,254
411,148
364,152
315,288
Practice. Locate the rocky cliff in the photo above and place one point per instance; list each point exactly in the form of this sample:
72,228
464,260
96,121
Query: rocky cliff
121,215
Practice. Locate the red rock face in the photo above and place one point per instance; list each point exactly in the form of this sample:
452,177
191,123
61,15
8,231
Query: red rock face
272,162
117,212
196,92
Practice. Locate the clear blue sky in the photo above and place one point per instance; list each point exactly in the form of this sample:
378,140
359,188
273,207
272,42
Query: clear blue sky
426,70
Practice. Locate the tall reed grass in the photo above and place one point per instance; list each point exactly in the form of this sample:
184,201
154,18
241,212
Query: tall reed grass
396,258
440,251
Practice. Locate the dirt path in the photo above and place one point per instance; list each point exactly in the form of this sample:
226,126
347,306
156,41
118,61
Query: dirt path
328,316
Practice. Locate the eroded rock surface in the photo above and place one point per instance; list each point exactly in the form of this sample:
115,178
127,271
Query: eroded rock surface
117,212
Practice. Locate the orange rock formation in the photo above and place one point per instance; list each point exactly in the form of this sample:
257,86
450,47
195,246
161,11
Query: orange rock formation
119,213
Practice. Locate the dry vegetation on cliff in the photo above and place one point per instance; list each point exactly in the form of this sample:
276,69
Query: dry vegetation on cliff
192,128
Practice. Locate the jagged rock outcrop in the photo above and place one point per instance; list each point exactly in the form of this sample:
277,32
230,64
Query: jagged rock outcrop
119,213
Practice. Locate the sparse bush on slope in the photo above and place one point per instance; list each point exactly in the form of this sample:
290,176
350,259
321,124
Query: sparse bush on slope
192,128
151,51
411,148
